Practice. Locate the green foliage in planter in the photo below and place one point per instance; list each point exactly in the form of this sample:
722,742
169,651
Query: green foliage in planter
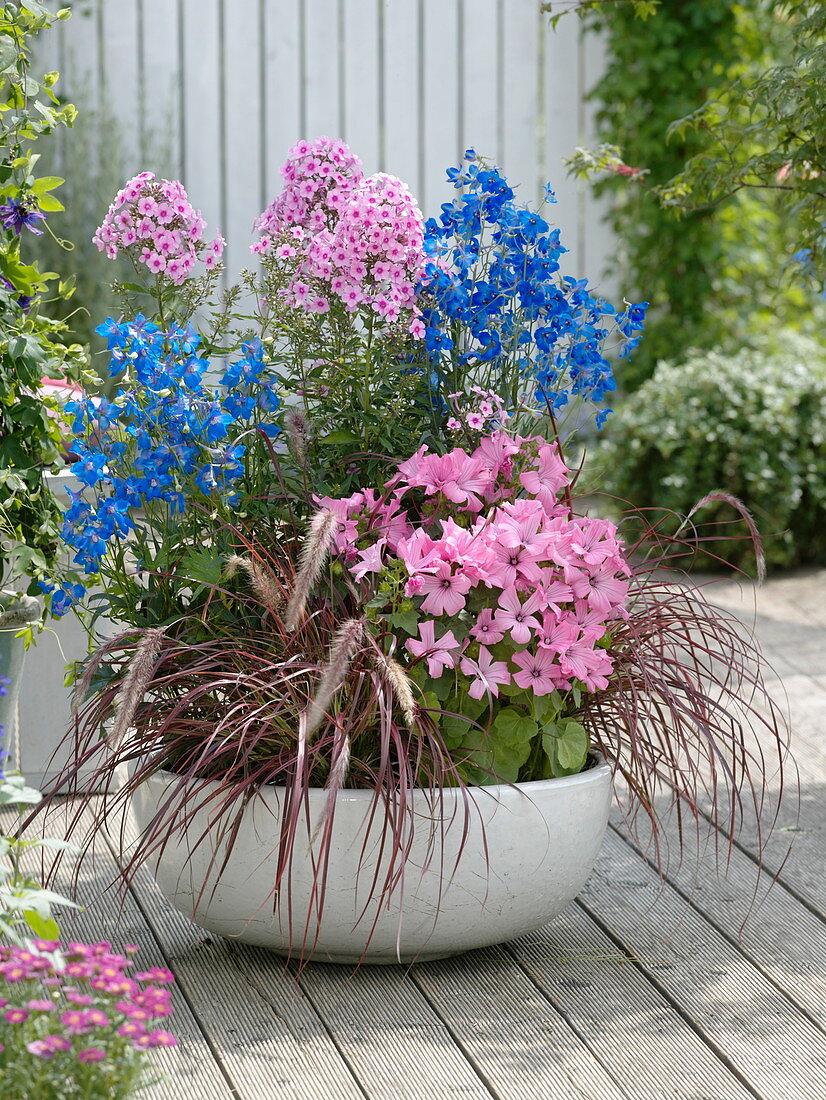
713,273
31,344
752,424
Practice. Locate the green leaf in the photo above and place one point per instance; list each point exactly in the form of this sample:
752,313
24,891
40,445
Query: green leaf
49,203
566,746
405,620
8,53
202,566
339,437
513,728
46,183
45,928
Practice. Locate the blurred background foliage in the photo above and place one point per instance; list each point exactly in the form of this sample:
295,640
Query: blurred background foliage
678,100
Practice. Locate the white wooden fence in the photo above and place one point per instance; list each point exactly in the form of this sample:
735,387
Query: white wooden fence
408,83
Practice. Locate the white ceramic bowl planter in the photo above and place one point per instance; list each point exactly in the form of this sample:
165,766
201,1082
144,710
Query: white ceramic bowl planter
542,841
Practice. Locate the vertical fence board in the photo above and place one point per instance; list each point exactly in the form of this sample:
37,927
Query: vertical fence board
160,76
118,27
596,233
83,72
282,97
520,96
442,137
481,85
362,84
322,67
561,80
202,110
401,92
242,135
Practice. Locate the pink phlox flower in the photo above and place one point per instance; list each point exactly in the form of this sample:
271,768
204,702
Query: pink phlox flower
595,541
444,591
370,560
555,592
590,665
419,552
439,654
521,524
538,672
409,469
392,522
344,509
486,629
516,616
488,674
556,633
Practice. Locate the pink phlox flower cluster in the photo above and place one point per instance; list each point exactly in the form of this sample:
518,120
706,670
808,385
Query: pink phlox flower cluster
485,412
512,562
356,240
154,222
318,176
365,514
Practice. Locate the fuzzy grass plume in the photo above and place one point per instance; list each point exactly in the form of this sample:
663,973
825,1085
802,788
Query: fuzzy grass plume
135,683
394,675
262,581
313,559
346,639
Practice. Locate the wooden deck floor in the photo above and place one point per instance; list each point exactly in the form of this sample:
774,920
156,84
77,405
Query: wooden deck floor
640,990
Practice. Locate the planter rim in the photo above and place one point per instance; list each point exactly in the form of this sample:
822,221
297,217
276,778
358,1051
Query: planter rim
594,774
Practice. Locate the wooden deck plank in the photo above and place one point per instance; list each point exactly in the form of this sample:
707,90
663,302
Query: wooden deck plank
191,1065
761,918
620,1014
750,1024
388,1032
514,1033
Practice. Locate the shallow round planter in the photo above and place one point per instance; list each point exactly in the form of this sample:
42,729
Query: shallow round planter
505,867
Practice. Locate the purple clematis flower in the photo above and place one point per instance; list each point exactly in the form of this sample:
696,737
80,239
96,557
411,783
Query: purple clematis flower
15,216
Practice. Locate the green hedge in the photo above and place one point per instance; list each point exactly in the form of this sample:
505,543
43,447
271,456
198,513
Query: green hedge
752,424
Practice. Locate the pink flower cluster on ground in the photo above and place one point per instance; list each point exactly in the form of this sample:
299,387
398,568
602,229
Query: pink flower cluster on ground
154,221
356,240
87,1005
497,551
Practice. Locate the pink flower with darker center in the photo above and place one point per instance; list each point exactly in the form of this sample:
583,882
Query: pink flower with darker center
518,617
488,674
486,629
439,654
444,591
538,671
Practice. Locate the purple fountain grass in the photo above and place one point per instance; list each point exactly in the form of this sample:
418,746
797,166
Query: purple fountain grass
323,704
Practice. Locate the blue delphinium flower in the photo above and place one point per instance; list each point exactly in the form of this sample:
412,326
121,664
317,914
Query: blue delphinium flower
494,286
164,439
63,597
